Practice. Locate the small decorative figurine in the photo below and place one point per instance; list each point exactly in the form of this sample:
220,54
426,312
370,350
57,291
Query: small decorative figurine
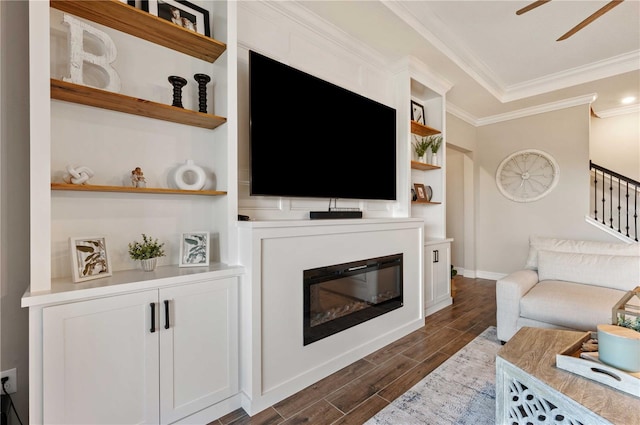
77,175
178,83
202,80
137,178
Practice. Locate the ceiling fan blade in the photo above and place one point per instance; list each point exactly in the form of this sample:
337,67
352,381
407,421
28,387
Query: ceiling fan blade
531,6
604,9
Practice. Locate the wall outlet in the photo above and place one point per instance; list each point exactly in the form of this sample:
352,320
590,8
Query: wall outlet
12,384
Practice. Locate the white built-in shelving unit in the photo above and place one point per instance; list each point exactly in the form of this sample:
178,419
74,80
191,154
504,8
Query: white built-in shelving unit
132,313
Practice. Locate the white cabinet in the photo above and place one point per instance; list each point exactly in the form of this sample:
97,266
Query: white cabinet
154,356
437,276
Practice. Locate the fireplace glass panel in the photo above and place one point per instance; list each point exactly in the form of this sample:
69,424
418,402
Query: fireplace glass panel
344,295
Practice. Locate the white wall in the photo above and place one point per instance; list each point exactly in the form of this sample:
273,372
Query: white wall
455,209
615,144
460,202
504,226
14,196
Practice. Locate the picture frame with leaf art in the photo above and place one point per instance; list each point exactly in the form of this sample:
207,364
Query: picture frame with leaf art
417,113
89,258
194,249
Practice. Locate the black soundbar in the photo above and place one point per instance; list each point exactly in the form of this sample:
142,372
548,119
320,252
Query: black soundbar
325,215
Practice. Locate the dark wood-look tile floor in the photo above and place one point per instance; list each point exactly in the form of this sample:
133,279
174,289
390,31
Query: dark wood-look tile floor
356,393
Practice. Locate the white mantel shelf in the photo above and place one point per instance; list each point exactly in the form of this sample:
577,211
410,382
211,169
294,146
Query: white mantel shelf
65,290
275,224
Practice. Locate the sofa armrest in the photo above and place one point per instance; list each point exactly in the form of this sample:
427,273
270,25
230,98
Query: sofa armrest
509,290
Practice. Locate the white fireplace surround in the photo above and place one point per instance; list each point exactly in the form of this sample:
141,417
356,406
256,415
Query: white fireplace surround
274,363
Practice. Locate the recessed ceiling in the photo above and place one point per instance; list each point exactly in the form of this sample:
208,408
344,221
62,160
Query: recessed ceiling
498,61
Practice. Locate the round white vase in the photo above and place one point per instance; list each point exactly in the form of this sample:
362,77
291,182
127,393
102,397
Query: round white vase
149,264
189,169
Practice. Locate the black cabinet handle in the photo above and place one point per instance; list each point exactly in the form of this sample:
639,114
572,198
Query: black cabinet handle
153,317
436,256
166,314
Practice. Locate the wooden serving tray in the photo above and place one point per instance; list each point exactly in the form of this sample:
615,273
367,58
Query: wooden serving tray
588,365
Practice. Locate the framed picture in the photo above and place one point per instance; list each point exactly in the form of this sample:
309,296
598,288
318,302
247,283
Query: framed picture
89,258
180,12
194,249
421,192
417,112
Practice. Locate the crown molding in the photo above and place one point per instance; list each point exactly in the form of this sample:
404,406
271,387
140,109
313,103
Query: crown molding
606,68
623,110
474,68
521,113
462,114
483,75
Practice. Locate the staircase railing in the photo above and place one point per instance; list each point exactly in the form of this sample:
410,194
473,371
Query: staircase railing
619,198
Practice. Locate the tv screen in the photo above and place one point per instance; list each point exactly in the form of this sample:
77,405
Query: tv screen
311,138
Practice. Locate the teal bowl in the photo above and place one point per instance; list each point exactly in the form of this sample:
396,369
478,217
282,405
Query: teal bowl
619,347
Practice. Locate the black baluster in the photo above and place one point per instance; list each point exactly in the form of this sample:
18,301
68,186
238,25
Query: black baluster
202,80
619,208
603,193
635,209
611,201
595,193
627,209
178,83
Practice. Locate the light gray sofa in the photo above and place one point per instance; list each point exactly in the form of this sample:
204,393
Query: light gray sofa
566,284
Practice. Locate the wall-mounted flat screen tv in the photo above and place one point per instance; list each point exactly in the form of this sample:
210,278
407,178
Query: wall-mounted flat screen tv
312,138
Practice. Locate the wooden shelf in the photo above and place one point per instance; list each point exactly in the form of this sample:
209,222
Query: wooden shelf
422,166
85,95
126,189
423,130
425,202
122,17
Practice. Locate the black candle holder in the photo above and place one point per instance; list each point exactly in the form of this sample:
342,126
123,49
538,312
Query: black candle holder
178,83
202,80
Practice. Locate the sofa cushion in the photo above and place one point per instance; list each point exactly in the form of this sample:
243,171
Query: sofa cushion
612,271
568,304
537,243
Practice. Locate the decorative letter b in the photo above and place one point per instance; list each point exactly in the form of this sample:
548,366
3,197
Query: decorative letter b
78,56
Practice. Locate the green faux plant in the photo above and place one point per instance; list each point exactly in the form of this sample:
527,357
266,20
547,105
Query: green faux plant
148,248
421,146
454,272
435,142
630,323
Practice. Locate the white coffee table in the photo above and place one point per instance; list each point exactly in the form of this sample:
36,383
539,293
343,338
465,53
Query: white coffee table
531,389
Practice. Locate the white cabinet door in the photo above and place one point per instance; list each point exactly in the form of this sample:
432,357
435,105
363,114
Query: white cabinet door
198,346
437,276
100,361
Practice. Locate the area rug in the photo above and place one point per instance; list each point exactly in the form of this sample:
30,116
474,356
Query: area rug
462,390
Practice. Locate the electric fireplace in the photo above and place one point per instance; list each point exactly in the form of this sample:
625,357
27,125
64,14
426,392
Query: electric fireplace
341,296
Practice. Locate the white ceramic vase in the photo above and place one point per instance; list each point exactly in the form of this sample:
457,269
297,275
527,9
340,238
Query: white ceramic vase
423,159
434,159
149,264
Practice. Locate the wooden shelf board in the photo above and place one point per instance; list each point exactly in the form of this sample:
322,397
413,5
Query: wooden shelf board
85,95
126,189
423,130
422,166
141,24
425,202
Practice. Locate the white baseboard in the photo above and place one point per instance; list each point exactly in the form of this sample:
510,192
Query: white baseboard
481,274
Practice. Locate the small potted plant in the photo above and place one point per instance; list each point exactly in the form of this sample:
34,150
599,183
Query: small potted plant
435,142
421,146
148,251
